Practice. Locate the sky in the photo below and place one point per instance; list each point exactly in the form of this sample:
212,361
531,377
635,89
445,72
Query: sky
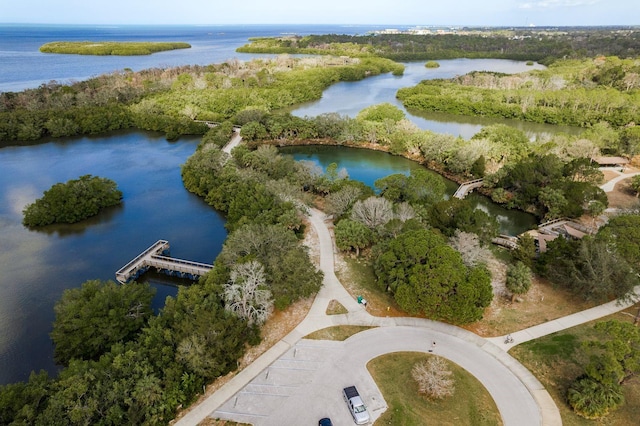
371,12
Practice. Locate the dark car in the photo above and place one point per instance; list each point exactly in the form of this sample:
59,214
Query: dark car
325,422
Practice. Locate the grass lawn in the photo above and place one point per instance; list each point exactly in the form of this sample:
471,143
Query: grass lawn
338,332
470,404
356,275
556,360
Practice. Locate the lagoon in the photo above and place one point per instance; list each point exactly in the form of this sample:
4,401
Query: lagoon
37,266
367,166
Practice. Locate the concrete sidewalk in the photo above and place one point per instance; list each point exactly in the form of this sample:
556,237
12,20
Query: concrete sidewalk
609,186
566,322
317,319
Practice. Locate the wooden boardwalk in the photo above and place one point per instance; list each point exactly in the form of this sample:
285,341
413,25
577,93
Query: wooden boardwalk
155,257
464,189
507,241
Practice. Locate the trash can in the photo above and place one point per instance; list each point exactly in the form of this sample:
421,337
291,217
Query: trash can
359,299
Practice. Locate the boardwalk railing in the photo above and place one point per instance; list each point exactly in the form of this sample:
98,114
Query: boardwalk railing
506,241
467,187
153,257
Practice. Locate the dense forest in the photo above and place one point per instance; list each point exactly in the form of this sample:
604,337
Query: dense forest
169,100
550,178
542,45
581,93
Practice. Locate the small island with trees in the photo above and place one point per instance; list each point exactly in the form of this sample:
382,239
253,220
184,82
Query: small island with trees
106,48
73,201
420,253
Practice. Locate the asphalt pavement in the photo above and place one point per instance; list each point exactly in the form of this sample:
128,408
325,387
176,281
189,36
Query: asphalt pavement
298,381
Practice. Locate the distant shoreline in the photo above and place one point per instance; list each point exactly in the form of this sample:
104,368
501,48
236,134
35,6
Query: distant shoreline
108,48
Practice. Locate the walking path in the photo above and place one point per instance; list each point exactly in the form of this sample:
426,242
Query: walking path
233,142
520,397
610,185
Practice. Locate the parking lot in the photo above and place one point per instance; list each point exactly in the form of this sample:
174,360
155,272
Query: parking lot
302,386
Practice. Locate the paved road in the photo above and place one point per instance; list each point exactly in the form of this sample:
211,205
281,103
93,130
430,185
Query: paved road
298,381
610,185
235,141
305,383
298,373
274,388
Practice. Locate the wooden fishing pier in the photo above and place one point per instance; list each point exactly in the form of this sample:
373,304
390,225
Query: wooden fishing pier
156,256
464,189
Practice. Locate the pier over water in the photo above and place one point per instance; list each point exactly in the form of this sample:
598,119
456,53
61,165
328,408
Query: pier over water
157,257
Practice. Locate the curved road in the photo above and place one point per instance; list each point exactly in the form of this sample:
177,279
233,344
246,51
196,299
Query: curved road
298,381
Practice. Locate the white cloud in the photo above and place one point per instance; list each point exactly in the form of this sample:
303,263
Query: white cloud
552,4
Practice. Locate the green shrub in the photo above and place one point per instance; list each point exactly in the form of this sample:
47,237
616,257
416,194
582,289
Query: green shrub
72,201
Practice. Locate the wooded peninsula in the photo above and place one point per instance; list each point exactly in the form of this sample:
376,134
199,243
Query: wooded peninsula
106,48
425,254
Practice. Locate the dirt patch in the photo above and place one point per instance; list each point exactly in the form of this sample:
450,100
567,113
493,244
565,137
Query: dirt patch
543,302
623,196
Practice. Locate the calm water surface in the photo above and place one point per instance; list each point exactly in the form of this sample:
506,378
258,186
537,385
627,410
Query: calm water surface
368,166
24,66
36,266
349,98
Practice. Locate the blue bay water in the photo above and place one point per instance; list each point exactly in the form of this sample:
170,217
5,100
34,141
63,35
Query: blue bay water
23,66
37,266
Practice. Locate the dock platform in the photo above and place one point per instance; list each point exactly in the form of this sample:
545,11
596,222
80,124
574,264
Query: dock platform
467,187
156,256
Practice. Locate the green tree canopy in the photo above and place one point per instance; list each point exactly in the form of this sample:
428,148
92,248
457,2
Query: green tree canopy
352,235
455,214
623,233
614,358
421,186
635,184
290,274
73,201
518,278
590,268
381,113
427,276
93,317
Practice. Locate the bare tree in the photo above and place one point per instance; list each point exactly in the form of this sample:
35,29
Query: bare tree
404,212
246,294
373,212
468,244
340,201
434,378
288,192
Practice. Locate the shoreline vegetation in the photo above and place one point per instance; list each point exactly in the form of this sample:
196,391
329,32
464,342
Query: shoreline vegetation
544,45
108,48
72,202
200,335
